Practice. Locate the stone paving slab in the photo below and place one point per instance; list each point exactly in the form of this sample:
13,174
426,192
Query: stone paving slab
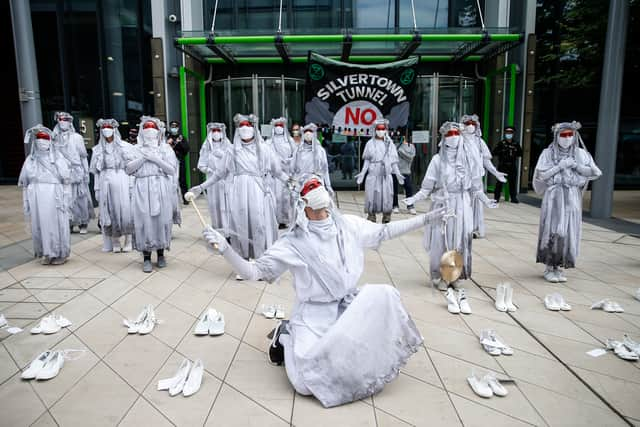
112,380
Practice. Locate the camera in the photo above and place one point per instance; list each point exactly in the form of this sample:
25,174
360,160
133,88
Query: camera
173,18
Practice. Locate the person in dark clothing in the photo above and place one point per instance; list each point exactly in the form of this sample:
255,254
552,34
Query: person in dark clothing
133,136
181,147
348,151
508,152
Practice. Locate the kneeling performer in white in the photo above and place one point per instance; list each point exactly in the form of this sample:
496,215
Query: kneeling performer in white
342,343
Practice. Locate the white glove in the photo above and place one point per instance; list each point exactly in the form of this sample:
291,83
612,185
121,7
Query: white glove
359,179
567,163
400,179
197,190
214,238
409,201
491,204
500,176
438,213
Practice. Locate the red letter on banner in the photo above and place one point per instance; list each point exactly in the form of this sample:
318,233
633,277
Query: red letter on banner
349,115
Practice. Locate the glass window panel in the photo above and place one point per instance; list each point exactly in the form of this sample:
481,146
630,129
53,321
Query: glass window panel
429,14
373,14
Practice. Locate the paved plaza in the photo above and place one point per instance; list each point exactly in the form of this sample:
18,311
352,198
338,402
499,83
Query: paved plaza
113,382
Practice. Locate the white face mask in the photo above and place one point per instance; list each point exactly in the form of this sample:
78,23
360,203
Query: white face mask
64,125
43,144
308,137
452,141
246,132
278,130
470,129
381,133
107,132
216,136
150,136
174,131
566,141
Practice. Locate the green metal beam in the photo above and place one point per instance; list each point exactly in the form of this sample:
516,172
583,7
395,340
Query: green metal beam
361,59
512,95
184,119
339,38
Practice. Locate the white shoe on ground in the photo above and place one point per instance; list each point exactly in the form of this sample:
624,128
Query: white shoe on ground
216,324
239,277
149,322
202,327
500,297
497,388
463,302
47,325
480,386
631,344
175,384
499,342
134,325
194,380
452,302
559,275
551,302
412,211
62,321
395,210
279,312
621,350
269,311
36,365
508,298
51,366
83,230
488,344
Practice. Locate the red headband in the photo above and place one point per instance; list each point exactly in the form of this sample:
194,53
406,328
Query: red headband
148,125
380,127
107,126
312,184
281,125
453,132
565,133
43,135
245,123
469,122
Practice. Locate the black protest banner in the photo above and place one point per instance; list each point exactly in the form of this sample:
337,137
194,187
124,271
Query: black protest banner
350,96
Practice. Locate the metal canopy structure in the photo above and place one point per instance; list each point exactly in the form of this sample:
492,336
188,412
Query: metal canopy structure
281,48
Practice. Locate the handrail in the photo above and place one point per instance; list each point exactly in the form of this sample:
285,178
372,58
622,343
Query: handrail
356,59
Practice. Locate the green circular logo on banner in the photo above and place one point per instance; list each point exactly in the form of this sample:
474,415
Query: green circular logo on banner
407,76
316,71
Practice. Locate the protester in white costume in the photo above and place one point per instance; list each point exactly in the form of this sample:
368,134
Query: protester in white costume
451,181
284,148
476,146
111,185
380,162
342,343
310,159
70,144
45,179
562,173
252,219
154,199
214,155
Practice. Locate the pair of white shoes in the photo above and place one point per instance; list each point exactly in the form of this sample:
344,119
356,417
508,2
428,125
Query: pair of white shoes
486,386
626,349
554,275
186,381
493,344
211,323
608,306
144,323
556,302
457,301
273,311
504,298
117,248
46,366
51,324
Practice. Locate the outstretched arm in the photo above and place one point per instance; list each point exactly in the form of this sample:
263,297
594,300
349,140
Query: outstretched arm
397,228
488,165
423,193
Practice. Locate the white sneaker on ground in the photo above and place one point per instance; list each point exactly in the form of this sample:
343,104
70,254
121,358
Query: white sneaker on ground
216,324
463,302
559,275
412,211
47,325
239,277
395,210
551,302
279,312
83,230
550,275
194,380
202,326
269,311
452,302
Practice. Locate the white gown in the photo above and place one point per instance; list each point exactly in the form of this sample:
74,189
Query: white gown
213,157
477,147
153,199
45,178
344,343
71,145
112,187
311,159
284,149
455,191
561,211
381,161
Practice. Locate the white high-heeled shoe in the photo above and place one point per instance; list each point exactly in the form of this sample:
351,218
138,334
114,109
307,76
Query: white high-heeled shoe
149,322
508,298
194,381
180,378
51,366
500,298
